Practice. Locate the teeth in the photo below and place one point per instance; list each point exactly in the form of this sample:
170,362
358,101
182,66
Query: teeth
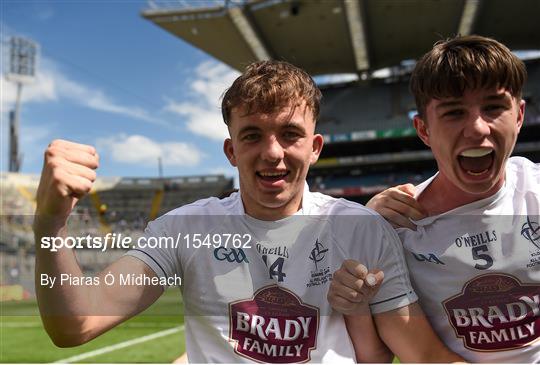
271,174
476,173
476,152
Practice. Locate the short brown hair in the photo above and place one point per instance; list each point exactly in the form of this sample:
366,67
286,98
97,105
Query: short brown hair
465,62
267,86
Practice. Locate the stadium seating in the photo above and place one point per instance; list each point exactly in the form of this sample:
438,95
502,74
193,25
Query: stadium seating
369,106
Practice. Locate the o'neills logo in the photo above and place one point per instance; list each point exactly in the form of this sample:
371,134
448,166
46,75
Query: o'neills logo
496,312
274,326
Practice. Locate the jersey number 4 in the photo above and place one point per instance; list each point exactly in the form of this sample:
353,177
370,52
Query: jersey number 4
276,268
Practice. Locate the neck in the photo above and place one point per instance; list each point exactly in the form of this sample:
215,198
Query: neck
442,195
266,213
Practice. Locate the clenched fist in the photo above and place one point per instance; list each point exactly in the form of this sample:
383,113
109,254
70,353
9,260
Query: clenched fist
68,174
352,288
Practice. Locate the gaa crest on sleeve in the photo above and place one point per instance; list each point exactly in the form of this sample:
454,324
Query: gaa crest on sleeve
273,326
495,312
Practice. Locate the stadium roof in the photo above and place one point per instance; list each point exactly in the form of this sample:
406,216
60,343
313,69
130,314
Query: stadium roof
340,36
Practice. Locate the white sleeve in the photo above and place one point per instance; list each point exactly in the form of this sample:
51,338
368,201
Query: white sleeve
164,259
384,251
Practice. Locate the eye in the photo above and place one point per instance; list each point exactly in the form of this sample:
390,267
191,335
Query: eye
291,135
453,113
495,108
250,137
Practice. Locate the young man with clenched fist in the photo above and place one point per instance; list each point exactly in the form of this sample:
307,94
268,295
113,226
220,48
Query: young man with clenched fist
255,266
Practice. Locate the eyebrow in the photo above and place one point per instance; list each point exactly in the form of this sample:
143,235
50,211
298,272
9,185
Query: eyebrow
448,104
293,124
252,128
249,128
458,102
496,97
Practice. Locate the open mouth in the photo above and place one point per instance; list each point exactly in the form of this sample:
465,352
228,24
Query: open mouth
272,176
476,161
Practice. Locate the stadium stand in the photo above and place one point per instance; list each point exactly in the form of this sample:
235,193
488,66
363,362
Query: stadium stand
366,123
385,106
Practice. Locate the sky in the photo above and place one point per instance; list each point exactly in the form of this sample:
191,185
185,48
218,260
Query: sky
109,78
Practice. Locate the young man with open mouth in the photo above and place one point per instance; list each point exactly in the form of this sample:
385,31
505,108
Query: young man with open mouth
471,233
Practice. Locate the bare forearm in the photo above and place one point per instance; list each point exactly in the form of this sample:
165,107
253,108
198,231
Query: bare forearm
368,346
75,311
409,335
62,306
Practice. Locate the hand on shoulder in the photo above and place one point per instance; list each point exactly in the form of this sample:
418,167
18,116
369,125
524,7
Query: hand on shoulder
398,205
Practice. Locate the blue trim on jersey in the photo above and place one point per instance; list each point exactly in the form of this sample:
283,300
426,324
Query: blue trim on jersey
389,299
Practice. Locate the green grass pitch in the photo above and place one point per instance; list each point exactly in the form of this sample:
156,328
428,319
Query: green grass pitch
23,339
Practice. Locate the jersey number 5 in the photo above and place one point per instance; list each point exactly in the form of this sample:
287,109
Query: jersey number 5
478,255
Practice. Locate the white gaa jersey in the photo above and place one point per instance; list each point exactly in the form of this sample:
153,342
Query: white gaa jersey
476,270
262,297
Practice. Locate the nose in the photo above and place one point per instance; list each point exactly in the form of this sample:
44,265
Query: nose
477,128
272,150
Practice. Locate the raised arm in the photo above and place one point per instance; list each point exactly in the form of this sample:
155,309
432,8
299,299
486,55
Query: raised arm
74,313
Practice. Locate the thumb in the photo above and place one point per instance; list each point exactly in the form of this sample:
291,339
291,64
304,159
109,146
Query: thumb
409,189
375,279
355,268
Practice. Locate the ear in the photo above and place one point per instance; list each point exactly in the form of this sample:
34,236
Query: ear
229,151
521,114
422,129
316,149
